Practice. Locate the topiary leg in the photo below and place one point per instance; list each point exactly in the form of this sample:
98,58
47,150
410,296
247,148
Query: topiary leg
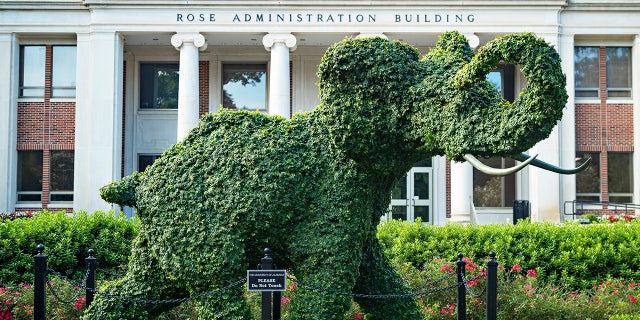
331,259
228,305
144,280
377,276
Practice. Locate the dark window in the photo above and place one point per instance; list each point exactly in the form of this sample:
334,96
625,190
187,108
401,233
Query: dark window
146,160
159,85
61,176
29,176
588,181
620,176
494,191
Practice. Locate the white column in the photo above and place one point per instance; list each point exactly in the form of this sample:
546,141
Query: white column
98,136
567,126
544,185
279,76
461,191
635,65
8,120
189,91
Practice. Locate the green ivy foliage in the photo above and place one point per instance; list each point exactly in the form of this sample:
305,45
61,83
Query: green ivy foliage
67,239
459,112
573,255
311,188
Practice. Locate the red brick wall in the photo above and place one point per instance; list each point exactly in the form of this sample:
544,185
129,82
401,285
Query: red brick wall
204,87
46,125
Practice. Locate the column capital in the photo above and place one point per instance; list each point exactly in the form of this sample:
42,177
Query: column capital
372,35
198,40
287,39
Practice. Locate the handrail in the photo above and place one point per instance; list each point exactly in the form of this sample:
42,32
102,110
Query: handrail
578,206
473,213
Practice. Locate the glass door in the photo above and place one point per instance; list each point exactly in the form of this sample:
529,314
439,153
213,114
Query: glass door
411,196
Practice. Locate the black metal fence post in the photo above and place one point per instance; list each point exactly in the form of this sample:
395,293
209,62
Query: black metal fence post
492,287
40,273
91,278
461,299
266,263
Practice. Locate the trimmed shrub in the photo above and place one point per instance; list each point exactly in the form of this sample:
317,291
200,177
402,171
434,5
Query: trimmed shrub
577,256
66,238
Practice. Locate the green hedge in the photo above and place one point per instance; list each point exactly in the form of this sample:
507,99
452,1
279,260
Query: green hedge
577,256
67,239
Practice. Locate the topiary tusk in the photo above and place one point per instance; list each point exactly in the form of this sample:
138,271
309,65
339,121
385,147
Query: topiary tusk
496,171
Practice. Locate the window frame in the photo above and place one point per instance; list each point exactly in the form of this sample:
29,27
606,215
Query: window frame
20,172
628,89
226,63
21,73
73,87
604,43
154,87
595,156
61,192
612,167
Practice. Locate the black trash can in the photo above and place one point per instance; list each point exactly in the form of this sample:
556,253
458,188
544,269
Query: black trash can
521,210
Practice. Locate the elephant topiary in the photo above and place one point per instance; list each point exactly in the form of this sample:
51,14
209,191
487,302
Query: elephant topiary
313,188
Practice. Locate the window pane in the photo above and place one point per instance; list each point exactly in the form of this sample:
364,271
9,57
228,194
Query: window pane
588,181
146,160
619,72
244,86
159,85
32,62
586,71
63,77
399,190
61,171
620,171
29,175
495,78
492,191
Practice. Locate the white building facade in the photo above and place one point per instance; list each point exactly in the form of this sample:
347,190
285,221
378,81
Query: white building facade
93,90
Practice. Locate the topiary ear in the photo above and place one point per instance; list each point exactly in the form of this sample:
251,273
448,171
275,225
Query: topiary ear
364,87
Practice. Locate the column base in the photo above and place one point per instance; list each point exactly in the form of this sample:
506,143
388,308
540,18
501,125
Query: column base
462,218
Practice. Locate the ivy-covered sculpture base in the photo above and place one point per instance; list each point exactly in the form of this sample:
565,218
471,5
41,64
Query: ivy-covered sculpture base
313,188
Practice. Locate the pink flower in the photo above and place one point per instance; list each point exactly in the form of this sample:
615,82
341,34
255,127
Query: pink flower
516,267
5,315
532,273
633,299
284,300
80,302
359,316
447,268
448,309
615,293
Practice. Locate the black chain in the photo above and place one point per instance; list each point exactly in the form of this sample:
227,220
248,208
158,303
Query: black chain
375,296
465,281
434,282
80,286
169,301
